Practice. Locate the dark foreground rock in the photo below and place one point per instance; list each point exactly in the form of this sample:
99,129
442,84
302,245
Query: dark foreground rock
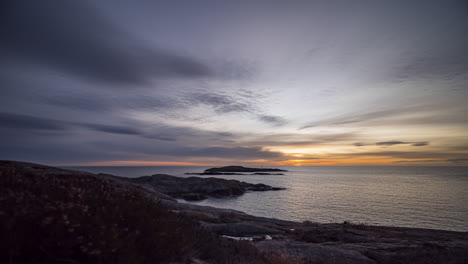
315,253
57,208
196,188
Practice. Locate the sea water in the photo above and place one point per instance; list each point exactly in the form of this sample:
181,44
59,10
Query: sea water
424,197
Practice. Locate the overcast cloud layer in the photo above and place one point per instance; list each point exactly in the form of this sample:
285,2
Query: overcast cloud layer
245,82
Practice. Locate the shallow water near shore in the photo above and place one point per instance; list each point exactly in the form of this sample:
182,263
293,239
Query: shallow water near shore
423,197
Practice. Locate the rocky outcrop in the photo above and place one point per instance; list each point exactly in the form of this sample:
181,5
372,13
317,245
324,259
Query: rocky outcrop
196,188
241,169
230,173
214,173
389,244
237,170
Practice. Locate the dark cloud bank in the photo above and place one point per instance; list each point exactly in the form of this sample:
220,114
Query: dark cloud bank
53,140
73,37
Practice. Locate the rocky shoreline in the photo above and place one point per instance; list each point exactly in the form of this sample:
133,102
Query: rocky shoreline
333,243
309,242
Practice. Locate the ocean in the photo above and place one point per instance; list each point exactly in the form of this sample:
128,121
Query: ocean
423,197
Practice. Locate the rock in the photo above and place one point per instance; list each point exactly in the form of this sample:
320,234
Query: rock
240,169
214,173
196,188
209,211
229,173
193,196
260,187
390,244
244,229
314,253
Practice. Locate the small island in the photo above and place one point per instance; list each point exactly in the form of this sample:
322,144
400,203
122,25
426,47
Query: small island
239,170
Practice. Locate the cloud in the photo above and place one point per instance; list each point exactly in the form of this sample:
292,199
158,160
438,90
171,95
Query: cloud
112,129
293,139
17,121
236,70
161,137
420,144
458,160
144,149
97,102
436,112
160,132
27,122
445,66
390,143
72,37
356,118
406,154
273,120
419,161
221,103
395,142
227,152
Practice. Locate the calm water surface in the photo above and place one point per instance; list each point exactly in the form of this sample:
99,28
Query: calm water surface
426,197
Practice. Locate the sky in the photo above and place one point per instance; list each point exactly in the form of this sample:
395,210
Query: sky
245,82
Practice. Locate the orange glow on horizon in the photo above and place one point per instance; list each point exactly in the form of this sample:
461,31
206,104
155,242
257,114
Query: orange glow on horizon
376,161
370,161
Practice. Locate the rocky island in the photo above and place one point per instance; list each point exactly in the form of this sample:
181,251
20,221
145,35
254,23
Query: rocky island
53,215
239,170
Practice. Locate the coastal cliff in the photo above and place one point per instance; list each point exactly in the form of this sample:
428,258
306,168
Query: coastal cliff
52,215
